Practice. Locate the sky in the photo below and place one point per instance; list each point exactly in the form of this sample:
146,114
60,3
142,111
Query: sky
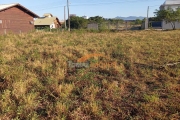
90,8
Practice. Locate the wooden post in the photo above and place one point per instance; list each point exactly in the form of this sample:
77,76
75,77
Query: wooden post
126,25
108,25
117,26
97,27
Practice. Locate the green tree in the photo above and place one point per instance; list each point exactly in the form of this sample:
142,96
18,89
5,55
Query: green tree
169,15
115,21
138,22
78,22
96,19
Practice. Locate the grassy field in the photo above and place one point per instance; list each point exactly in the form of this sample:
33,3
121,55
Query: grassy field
131,76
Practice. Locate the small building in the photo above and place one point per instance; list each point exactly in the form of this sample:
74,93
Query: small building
47,21
72,15
16,18
85,17
162,24
173,4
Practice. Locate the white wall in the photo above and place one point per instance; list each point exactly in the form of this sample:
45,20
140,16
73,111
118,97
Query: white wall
174,7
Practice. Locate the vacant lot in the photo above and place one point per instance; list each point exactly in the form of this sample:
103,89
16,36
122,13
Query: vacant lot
132,75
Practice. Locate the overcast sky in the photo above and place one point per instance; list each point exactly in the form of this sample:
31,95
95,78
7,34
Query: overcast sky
105,8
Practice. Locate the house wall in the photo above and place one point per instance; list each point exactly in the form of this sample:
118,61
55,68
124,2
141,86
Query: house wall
15,20
164,25
57,25
174,7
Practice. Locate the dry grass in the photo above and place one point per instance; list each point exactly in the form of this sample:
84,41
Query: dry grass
36,83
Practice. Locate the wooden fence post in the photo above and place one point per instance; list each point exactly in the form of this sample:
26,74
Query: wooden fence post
108,25
117,26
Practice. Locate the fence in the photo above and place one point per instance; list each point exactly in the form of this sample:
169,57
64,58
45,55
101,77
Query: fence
161,25
114,26
93,26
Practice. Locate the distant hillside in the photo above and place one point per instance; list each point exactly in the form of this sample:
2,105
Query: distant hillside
130,18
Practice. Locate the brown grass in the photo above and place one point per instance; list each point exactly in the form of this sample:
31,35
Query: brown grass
36,83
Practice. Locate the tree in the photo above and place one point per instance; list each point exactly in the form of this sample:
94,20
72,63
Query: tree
169,15
78,22
96,19
138,22
115,21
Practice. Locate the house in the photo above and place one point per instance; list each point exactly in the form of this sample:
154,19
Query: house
47,21
72,15
16,18
173,4
85,17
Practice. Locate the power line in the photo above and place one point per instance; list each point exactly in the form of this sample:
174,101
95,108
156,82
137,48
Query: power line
102,3
93,4
48,8
154,6
46,3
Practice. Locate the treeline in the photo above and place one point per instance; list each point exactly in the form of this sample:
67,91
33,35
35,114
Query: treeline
81,23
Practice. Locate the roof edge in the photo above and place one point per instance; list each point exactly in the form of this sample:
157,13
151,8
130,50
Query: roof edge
169,4
17,4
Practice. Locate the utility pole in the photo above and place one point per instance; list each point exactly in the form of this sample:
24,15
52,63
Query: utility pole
69,29
65,17
148,17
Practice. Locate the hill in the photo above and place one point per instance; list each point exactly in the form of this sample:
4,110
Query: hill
130,18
